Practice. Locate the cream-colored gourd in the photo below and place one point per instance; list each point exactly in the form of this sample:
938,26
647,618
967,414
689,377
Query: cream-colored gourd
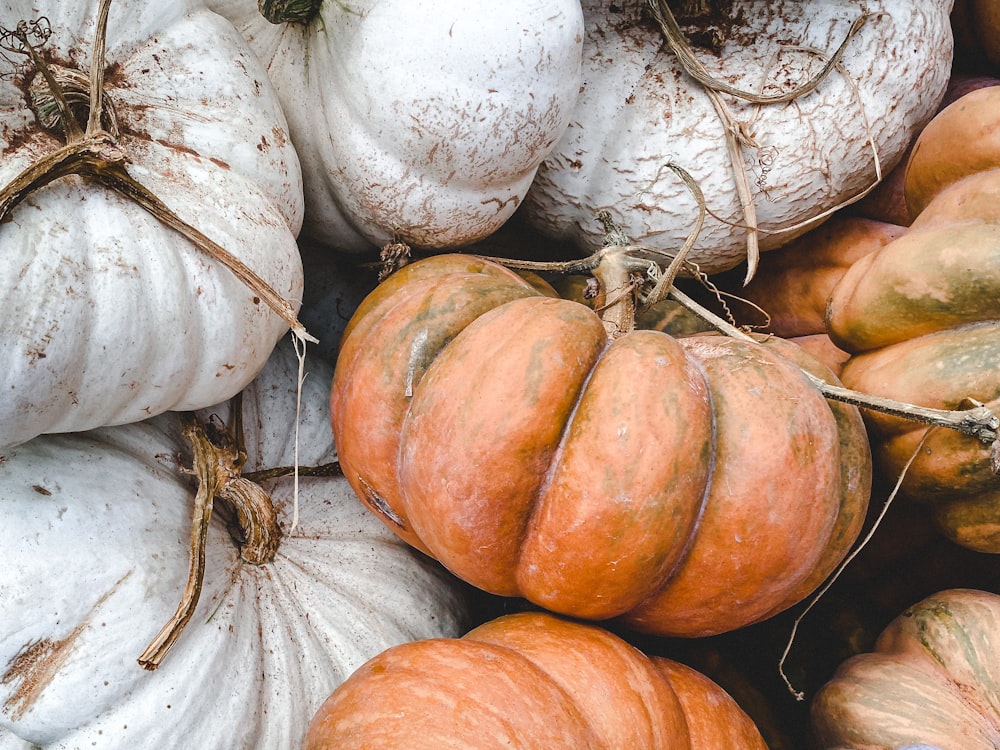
109,315
638,111
419,121
94,556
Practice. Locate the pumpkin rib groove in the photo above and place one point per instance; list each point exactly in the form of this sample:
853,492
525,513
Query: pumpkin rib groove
453,390
696,588
483,286
702,507
648,556
550,473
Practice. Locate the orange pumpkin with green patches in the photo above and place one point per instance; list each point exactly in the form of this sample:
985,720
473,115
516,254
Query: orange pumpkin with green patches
688,486
920,319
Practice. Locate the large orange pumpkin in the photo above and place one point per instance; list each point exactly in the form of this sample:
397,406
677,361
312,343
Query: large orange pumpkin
920,318
689,486
529,680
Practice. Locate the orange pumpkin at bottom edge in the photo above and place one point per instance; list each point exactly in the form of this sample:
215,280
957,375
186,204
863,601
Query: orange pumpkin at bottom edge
529,680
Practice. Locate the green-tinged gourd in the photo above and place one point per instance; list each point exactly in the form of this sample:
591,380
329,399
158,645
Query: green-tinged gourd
919,318
931,681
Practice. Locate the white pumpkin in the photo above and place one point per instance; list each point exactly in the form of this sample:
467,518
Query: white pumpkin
94,556
639,111
110,316
419,120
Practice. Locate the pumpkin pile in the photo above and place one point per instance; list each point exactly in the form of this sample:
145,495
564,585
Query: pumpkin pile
396,374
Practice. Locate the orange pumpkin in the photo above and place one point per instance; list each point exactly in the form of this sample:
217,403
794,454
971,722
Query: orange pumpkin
529,680
787,296
887,202
794,282
920,318
689,486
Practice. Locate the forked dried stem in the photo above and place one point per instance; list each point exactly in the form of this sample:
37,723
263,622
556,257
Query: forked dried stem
978,422
218,459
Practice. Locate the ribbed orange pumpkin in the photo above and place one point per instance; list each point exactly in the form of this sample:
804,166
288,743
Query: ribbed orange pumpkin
529,681
690,486
920,317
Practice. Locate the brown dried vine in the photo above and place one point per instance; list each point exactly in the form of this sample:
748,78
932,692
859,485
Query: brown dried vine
94,150
619,260
737,134
218,457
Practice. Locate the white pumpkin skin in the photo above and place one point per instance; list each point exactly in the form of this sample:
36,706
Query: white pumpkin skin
94,559
109,315
418,120
638,111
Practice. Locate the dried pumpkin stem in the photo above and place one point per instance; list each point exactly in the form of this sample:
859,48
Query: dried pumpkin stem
22,34
667,277
96,153
217,463
629,260
203,467
692,66
97,67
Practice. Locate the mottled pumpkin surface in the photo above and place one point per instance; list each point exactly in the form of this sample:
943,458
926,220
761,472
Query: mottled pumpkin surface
933,680
920,319
689,485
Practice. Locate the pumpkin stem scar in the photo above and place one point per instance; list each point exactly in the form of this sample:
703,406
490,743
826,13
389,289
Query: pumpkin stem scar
678,44
289,11
378,504
95,152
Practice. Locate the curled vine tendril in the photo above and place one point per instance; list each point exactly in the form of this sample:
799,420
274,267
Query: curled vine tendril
22,40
